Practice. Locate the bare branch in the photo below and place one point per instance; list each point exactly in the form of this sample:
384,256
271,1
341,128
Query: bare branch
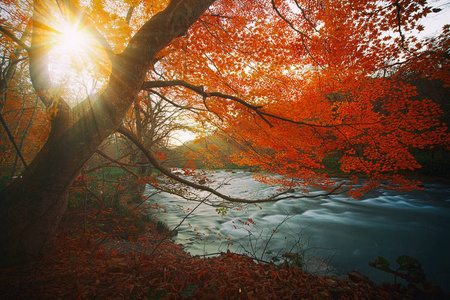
11,138
200,90
334,191
399,21
129,14
14,38
92,192
101,153
173,103
176,227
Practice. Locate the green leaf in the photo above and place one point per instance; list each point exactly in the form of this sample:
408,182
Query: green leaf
382,264
410,269
407,261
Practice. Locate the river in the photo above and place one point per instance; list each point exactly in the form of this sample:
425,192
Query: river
332,234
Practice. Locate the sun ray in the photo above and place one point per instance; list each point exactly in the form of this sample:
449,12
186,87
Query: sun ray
72,40
75,57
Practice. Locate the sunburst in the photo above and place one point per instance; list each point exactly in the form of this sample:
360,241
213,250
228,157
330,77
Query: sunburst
76,61
73,41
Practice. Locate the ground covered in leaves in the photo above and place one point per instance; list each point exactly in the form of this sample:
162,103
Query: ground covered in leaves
82,265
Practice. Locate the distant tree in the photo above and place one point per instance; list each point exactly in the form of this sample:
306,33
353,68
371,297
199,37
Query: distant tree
154,121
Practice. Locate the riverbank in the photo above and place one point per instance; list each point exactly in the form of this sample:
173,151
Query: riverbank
131,268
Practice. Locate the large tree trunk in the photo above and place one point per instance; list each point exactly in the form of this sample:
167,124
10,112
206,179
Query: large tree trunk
32,205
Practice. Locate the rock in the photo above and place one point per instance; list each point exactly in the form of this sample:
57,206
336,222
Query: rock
357,277
318,267
331,283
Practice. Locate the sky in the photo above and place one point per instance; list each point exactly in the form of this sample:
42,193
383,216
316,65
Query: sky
435,21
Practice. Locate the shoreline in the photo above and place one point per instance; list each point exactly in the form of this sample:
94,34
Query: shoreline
125,269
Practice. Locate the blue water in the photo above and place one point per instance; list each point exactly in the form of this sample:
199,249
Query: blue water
332,234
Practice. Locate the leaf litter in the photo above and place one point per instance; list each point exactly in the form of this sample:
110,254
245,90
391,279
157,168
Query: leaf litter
126,269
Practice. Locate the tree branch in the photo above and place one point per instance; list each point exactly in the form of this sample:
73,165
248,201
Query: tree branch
305,17
399,21
130,135
121,164
256,108
11,138
200,90
14,38
173,103
129,14
287,21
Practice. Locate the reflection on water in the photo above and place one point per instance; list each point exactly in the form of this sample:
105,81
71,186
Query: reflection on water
333,232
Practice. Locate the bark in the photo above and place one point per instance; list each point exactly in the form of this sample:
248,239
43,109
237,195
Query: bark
32,205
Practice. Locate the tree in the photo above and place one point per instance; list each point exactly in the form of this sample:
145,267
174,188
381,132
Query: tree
244,67
19,110
154,121
33,204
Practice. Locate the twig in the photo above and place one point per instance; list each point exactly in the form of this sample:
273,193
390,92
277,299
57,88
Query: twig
11,138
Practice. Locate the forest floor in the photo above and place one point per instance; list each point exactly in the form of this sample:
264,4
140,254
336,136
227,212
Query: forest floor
80,266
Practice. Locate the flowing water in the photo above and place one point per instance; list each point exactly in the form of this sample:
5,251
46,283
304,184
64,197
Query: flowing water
332,234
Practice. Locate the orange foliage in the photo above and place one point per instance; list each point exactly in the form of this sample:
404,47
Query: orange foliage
320,79
27,120
334,73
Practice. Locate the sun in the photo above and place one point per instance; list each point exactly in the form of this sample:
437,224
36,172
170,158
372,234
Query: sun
77,64
72,40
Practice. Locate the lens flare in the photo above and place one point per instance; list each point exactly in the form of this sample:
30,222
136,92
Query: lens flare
72,41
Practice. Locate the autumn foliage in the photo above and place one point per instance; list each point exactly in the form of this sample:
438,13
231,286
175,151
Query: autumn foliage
322,80
77,268
291,83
